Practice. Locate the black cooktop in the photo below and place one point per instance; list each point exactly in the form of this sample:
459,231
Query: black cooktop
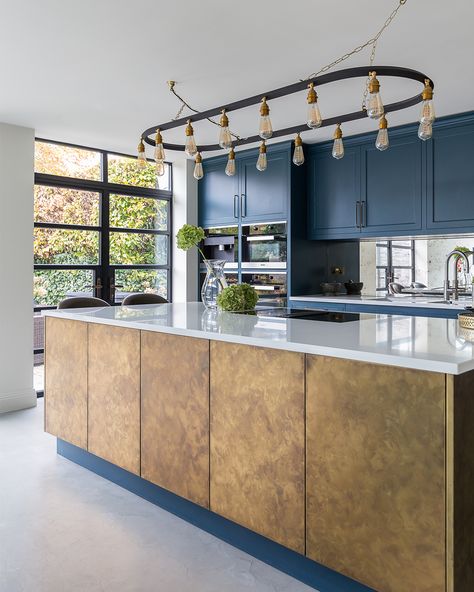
307,314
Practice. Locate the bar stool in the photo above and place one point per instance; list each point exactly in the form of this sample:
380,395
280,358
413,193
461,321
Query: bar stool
143,298
82,302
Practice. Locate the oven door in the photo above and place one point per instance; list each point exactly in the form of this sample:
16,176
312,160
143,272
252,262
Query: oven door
270,287
264,245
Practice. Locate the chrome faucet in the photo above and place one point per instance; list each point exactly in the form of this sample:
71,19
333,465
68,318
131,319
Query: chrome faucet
447,287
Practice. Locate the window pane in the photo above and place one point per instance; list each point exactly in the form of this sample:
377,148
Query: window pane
67,161
60,205
142,280
138,212
138,249
401,256
381,279
124,170
66,246
402,276
53,285
382,255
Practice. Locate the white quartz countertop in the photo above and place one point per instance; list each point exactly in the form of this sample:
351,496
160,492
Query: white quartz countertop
411,342
397,300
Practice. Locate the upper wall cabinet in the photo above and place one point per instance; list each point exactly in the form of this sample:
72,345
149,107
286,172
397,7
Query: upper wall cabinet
450,176
392,181
249,196
333,193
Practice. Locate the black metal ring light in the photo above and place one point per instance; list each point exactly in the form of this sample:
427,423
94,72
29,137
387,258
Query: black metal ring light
361,71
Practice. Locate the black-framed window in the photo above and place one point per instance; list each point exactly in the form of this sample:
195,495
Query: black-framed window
102,227
395,262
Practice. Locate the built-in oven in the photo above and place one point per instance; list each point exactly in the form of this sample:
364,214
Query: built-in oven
222,243
264,245
271,287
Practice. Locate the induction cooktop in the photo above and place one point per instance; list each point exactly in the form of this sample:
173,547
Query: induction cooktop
307,314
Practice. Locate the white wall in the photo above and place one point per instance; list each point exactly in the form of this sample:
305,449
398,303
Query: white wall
16,267
185,264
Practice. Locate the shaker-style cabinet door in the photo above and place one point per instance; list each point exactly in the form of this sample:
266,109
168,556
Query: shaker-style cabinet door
257,440
218,195
334,193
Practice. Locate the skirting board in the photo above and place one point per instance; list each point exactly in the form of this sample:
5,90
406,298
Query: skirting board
17,400
299,567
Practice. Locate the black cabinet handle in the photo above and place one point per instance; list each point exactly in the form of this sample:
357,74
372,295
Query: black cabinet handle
236,213
243,202
358,214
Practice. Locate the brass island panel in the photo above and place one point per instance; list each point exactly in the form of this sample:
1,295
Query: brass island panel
257,440
114,395
175,414
66,380
376,473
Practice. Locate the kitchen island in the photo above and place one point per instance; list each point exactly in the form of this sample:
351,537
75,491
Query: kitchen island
347,445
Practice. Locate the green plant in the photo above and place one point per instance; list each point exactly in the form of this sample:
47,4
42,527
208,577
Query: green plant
237,298
189,236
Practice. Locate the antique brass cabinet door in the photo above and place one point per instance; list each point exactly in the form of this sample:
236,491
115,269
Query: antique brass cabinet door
376,473
257,440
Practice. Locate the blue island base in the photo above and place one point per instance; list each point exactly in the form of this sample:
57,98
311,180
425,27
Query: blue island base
303,569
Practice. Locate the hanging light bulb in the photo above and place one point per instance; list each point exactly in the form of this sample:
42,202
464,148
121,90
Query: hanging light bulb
427,108
262,157
314,116
382,142
160,168
298,154
373,102
198,170
230,166
425,130
338,146
141,159
265,129
159,150
190,146
225,139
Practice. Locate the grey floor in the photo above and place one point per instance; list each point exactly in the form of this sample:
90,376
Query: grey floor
65,529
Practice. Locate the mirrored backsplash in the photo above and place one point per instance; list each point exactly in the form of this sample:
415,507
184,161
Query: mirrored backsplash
390,265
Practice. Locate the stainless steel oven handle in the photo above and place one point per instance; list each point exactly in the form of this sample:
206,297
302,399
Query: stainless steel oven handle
260,237
243,202
236,213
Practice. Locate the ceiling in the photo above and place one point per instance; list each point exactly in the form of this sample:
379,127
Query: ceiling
94,72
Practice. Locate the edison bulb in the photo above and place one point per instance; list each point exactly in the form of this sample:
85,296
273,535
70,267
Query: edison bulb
230,166
381,143
338,148
141,157
190,146
198,170
425,131
374,105
265,128
314,116
262,161
427,112
160,168
159,150
298,154
225,138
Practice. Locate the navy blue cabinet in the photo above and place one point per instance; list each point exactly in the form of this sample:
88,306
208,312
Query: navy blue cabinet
450,176
334,192
251,195
392,195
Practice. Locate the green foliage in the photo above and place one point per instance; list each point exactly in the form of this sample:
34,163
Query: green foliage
189,236
237,298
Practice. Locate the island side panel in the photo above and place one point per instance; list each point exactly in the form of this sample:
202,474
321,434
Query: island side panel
175,414
376,473
66,380
257,440
114,395
460,394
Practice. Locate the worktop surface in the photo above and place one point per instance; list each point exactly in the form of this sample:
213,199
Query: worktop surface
410,342
408,300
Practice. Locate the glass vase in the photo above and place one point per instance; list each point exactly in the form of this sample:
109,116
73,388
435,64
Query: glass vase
214,282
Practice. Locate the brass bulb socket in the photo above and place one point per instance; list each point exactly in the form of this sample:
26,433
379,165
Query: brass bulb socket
383,123
231,154
263,148
158,138
141,146
298,140
374,84
189,131
427,93
224,120
312,95
264,108
198,158
337,133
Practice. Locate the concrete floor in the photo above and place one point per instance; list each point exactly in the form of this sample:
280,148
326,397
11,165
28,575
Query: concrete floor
65,529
